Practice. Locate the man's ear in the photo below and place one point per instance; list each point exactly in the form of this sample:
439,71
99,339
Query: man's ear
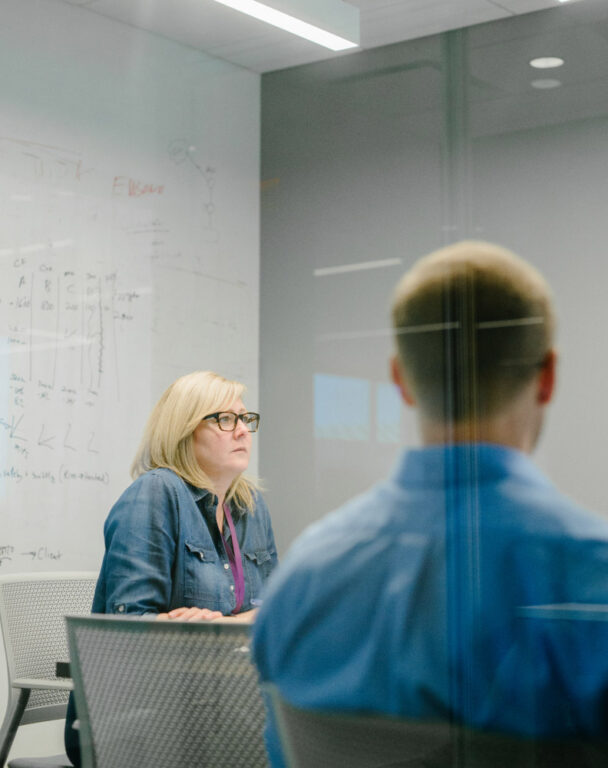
398,378
546,379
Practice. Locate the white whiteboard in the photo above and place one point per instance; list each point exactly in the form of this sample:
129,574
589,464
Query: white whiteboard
129,255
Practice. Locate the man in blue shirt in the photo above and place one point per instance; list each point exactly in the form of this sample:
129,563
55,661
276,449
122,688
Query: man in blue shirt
446,593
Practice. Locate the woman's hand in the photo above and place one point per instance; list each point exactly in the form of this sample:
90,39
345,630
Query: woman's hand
205,614
190,614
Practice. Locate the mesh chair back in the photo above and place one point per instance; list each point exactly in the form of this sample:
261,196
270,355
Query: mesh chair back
32,611
311,738
170,694
315,739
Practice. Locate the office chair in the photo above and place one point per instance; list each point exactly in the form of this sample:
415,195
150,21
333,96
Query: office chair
165,693
32,610
315,739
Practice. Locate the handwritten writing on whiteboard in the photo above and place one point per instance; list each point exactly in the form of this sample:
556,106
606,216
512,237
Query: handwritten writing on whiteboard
122,185
22,159
10,553
74,311
99,269
183,153
103,219
63,326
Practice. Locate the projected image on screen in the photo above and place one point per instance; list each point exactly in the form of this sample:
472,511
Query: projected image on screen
389,408
342,407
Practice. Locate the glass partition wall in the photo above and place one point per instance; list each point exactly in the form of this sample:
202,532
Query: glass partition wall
374,159
499,133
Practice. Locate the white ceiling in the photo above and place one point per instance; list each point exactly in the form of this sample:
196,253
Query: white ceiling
228,34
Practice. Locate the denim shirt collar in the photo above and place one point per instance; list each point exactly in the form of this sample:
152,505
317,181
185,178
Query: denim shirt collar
202,493
206,501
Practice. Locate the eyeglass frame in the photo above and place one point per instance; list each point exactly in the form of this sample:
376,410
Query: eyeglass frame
237,416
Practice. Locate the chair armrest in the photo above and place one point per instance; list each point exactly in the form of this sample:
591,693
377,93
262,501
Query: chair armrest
40,684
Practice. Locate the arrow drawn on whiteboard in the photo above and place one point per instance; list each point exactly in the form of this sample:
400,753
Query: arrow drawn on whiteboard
12,428
13,432
65,439
46,441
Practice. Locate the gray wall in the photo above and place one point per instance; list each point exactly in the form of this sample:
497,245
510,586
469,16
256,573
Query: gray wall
385,155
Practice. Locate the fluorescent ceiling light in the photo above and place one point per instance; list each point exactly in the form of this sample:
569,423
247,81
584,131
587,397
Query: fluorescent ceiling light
331,23
547,62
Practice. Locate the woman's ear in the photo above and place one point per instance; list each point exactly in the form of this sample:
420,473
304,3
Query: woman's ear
398,378
546,379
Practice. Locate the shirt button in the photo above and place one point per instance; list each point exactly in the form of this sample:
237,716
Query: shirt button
226,566
232,587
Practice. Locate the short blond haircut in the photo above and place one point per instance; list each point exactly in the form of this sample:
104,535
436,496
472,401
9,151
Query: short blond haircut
473,324
168,435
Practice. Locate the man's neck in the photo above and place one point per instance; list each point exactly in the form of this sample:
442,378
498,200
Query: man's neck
449,434
512,429
517,425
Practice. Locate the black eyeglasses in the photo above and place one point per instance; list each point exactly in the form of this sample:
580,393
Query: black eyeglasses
227,420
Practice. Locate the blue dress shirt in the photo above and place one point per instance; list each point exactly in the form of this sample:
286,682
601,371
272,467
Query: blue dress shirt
415,599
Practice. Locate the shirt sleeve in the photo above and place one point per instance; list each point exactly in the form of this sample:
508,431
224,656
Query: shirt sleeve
140,539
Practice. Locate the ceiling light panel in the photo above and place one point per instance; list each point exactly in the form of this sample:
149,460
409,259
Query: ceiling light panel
331,23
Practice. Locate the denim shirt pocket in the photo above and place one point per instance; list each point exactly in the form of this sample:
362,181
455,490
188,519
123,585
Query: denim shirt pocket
203,576
259,566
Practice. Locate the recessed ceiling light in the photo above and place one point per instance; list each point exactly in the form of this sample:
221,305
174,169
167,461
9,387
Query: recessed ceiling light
547,62
546,84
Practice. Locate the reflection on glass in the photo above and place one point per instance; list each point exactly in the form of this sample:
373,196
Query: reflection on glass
389,407
390,154
342,407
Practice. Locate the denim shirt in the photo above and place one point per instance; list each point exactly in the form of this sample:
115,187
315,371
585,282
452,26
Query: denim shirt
164,550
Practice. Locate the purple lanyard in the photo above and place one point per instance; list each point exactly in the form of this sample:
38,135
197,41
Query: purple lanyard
236,562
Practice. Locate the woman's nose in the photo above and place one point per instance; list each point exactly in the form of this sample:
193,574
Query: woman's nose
240,428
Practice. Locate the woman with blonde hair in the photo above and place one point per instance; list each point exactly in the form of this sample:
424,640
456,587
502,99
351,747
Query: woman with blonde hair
191,537
191,532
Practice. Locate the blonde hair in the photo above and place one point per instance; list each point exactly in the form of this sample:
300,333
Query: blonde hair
473,324
168,436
